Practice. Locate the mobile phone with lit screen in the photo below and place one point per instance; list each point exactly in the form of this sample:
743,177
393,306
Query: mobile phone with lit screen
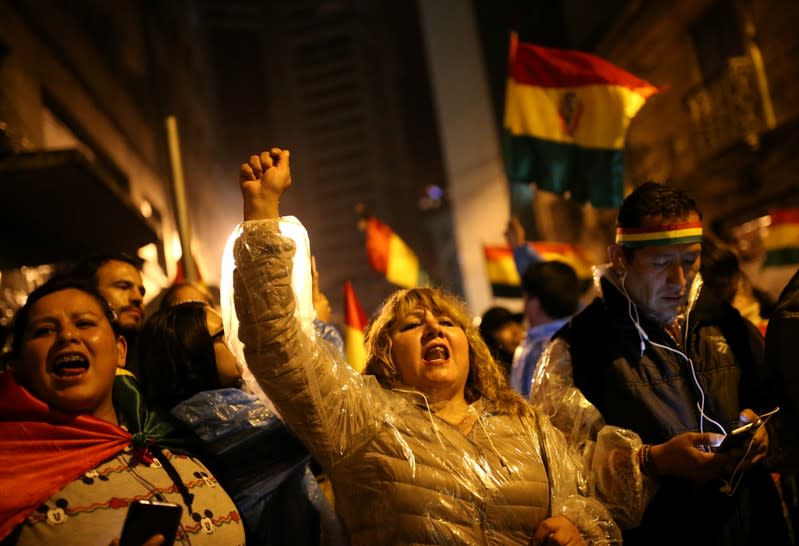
738,437
741,436
146,519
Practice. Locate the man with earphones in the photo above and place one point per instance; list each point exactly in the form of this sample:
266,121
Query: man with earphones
634,360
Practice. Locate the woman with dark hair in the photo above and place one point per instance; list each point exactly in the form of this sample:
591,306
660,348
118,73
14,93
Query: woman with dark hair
187,291
185,353
71,460
188,372
429,445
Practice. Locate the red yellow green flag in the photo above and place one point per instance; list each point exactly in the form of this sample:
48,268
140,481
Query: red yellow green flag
782,238
566,119
389,255
574,255
501,271
355,323
503,274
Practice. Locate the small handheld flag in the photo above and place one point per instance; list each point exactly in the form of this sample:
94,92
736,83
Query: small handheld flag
388,254
355,323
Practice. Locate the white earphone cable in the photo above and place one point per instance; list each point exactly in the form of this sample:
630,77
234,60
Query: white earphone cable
633,309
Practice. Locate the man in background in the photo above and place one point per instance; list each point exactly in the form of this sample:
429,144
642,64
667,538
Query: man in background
118,279
551,293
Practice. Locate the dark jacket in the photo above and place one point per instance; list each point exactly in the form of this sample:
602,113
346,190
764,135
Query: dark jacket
653,392
782,340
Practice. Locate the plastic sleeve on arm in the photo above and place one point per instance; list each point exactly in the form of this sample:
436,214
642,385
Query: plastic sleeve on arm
325,402
573,494
553,391
610,452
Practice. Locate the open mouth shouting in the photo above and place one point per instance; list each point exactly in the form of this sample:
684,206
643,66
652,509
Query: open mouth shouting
436,354
70,366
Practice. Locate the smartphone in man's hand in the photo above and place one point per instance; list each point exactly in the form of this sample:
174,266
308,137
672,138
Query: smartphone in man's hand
741,436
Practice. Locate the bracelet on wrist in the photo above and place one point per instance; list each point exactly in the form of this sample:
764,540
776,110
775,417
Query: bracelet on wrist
645,460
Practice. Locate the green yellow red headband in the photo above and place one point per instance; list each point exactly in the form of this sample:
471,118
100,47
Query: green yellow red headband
667,234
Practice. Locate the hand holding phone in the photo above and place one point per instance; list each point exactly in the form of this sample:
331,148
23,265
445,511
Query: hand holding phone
146,519
741,436
738,437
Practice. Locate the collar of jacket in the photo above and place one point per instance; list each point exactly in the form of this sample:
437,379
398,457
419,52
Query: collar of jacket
422,401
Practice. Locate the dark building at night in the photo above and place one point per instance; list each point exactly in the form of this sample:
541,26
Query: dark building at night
343,85
85,89
726,128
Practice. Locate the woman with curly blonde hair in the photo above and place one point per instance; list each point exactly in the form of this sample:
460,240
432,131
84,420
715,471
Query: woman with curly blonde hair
485,380
429,445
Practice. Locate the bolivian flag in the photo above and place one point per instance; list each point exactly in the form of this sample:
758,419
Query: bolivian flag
355,323
501,271
566,118
782,238
504,276
389,255
574,255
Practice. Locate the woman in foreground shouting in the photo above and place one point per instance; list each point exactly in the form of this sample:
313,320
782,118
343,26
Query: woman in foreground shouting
429,445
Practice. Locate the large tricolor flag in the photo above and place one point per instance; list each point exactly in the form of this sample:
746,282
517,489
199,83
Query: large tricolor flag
566,119
389,255
354,323
782,238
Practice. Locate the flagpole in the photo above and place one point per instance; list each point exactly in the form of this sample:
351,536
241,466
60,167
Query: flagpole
179,196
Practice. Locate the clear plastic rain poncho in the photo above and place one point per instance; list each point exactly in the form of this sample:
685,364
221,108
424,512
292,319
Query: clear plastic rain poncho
302,283
400,474
610,452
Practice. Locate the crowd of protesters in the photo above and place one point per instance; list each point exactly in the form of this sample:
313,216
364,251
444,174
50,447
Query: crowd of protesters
558,425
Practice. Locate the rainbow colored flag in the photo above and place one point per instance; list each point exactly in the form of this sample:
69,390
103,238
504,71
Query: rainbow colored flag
782,238
388,254
566,119
354,323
